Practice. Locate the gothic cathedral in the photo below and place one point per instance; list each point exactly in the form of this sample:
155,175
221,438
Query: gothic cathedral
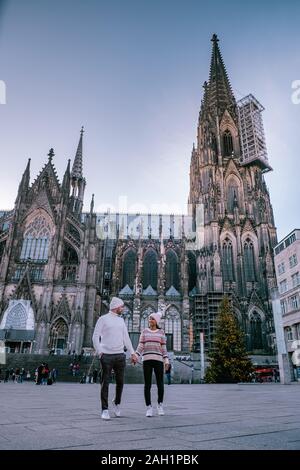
60,266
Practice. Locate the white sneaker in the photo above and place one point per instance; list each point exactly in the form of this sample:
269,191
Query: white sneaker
116,409
149,412
160,409
105,415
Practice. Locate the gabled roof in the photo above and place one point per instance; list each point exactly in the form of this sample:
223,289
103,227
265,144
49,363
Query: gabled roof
47,175
126,290
149,291
173,292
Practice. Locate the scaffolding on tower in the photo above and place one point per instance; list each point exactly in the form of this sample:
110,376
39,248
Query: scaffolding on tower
253,143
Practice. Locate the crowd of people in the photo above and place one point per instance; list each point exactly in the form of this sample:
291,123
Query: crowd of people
42,375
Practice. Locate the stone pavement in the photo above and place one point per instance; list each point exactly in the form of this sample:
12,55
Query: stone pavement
211,417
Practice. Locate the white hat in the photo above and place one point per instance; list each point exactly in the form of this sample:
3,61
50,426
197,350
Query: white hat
157,317
115,303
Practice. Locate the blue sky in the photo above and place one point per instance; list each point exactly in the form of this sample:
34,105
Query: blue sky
131,72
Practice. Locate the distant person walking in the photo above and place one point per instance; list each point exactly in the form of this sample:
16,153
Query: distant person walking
109,339
152,347
168,374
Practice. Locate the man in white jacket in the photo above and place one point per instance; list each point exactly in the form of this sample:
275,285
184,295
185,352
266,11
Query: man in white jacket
109,339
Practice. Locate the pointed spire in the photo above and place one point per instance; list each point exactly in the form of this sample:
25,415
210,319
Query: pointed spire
66,180
92,205
24,183
51,155
77,165
218,94
26,174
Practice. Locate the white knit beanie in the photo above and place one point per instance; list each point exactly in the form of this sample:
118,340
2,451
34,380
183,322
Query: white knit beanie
115,303
157,317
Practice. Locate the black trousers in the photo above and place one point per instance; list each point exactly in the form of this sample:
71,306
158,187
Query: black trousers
117,363
158,367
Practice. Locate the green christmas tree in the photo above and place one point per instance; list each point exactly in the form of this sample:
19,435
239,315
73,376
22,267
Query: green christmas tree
229,361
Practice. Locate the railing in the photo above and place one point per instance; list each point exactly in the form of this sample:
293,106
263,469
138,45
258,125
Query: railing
72,239
36,272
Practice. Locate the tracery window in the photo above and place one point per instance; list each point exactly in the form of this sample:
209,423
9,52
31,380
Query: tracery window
256,331
249,261
227,260
150,269
129,268
172,274
173,326
227,143
36,240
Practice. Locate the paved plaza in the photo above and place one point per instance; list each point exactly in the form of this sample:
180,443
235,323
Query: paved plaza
211,417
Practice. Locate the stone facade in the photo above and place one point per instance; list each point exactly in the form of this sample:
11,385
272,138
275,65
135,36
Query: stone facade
239,230
69,264
49,257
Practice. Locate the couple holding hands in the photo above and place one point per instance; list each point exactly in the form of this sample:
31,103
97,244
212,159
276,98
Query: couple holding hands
109,339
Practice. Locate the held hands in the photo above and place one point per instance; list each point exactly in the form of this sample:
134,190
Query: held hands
167,366
134,359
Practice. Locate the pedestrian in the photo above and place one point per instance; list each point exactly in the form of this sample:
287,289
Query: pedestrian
152,347
95,376
109,339
168,374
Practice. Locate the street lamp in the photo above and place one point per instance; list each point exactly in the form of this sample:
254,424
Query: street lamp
283,360
202,371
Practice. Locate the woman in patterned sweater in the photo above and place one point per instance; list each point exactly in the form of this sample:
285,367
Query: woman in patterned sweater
152,348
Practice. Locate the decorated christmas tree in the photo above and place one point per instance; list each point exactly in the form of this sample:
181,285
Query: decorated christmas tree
229,362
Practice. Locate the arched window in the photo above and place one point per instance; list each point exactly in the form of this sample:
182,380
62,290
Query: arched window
36,240
232,197
173,326
172,274
227,143
129,268
150,269
17,317
59,334
227,260
249,261
256,331
127,315
144,318
192,270
70,263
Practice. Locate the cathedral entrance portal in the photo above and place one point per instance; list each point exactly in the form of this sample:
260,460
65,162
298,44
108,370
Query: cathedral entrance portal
59,336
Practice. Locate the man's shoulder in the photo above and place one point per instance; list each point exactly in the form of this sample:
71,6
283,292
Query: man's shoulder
105,316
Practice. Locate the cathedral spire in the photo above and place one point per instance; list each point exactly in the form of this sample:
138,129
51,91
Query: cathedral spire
24,184
66,180
92,205
51,155
77,181
77,165
218,94
26,174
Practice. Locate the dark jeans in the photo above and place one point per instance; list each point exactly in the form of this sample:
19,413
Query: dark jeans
158,367
116,362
